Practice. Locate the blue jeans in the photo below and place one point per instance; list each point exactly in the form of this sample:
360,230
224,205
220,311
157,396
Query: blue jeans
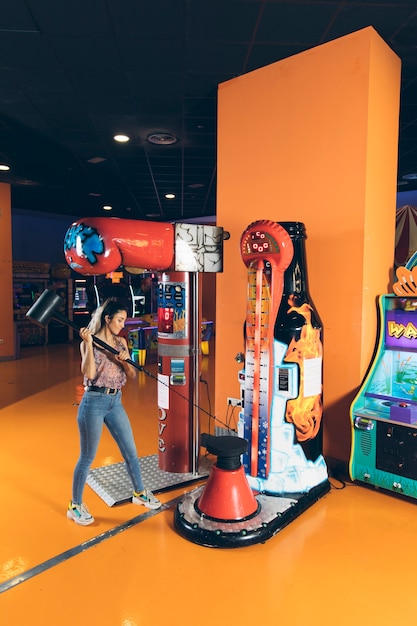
96,409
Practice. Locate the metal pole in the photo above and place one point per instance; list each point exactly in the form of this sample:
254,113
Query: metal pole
196,372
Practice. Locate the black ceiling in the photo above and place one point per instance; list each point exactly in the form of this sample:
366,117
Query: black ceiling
73,73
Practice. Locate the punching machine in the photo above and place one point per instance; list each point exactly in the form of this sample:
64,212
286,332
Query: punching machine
274,469
179,253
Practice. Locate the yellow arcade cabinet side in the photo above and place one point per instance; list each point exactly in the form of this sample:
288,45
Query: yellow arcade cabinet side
384,413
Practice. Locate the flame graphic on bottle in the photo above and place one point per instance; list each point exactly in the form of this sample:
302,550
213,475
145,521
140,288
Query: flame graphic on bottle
305,411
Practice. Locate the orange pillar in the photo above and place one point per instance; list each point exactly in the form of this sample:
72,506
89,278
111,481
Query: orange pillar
313,138
7,338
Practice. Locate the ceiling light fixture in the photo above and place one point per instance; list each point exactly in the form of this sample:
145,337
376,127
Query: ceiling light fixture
121,138
412,176
170,196
96,160
162,139
4,167
107,207
26,182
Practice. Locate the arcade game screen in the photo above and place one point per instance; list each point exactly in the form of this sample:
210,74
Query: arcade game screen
80,297
392,386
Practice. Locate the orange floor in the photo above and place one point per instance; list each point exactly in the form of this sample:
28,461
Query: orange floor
349,559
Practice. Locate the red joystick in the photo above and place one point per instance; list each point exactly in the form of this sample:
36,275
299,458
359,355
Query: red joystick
227,495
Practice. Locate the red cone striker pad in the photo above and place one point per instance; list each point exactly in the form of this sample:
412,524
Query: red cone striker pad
227,495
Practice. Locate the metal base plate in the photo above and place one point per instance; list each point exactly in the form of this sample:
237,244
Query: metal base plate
113,485
274,513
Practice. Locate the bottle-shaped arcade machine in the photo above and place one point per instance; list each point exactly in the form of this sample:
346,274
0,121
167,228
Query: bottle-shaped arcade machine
384,413
281,413
282,380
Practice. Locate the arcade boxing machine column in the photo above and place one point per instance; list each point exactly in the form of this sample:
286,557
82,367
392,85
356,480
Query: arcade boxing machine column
176,378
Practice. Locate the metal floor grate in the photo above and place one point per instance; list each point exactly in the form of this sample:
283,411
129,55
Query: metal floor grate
113,485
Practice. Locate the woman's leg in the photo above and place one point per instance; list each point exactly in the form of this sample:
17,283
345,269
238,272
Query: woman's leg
117,421
90,417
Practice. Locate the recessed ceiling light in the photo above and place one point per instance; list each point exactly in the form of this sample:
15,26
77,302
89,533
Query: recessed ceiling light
195,185
162,139
96,160
121,138
4,167
412,176
26,182
94,194
170,196
107,207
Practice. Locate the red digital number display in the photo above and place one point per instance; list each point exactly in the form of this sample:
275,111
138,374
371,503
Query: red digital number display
166,320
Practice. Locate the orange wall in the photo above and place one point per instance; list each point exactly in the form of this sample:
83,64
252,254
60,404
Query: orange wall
6,276
313,138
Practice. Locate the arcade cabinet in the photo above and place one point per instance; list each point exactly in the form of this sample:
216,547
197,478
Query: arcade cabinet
384,413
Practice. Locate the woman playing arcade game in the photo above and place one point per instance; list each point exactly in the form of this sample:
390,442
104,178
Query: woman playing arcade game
104,376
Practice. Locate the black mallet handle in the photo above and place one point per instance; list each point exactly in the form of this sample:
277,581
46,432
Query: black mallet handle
46,308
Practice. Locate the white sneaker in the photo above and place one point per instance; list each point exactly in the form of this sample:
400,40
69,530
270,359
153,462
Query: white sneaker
147,499
80,514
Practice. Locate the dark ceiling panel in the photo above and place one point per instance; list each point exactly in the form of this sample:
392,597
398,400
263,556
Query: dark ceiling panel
278,19
43,81
26,50
15,16
152,58
150,21
88,52
72,74
221,21
77,17
386,19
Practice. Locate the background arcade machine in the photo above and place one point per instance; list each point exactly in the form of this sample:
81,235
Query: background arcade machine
82,306
384,413
98,246
141,329
281,400
92,290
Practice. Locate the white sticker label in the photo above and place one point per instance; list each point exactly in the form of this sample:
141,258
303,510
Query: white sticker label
312,376
163,391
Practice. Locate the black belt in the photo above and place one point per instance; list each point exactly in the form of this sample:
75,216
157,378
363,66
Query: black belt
105,390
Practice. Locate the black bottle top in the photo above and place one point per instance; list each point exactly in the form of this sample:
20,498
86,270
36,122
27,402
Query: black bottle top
290,321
